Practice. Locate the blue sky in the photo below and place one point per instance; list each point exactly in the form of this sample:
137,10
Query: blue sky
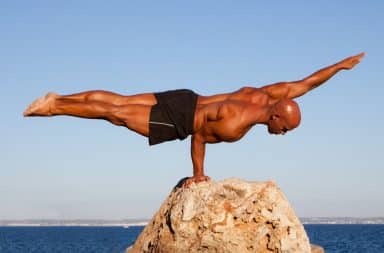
66,168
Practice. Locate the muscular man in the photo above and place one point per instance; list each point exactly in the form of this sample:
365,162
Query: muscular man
209,119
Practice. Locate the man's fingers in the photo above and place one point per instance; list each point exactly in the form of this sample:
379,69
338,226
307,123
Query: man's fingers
361,55
355,59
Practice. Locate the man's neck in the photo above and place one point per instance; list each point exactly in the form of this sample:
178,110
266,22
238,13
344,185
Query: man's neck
262,115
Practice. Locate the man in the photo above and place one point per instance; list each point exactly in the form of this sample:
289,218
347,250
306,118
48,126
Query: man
209,119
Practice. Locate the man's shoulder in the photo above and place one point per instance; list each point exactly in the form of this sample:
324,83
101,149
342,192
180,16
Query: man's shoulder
247,90
252,95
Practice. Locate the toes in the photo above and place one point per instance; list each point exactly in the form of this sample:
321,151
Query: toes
40,107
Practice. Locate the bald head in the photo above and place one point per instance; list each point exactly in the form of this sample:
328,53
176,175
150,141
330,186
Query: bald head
285,116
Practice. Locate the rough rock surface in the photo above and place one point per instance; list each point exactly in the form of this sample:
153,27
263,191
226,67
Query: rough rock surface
224,217
316,249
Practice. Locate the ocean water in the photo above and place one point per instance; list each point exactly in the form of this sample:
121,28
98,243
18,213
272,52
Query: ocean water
334,238
67,239
347,238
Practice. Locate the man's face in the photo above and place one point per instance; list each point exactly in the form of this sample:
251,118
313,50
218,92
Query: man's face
281,125
277,125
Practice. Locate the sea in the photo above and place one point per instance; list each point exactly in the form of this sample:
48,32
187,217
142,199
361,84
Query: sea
333,238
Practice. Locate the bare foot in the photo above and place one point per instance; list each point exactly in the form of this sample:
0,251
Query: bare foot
195,180
41,106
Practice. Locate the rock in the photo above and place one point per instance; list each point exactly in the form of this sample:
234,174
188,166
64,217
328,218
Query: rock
316,249
223,217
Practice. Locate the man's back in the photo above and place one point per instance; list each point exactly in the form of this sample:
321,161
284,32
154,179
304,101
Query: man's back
228,117
244,94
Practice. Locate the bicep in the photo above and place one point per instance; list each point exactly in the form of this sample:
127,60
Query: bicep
297,89
286,89
276,90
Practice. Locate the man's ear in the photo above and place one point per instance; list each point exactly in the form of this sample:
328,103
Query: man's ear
274,116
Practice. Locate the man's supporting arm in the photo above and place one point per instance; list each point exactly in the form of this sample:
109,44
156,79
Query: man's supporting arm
298,88
198,153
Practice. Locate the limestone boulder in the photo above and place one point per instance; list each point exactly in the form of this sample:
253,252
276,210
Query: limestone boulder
316,249
229,216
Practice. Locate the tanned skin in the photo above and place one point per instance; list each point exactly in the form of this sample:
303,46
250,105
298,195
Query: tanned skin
219,118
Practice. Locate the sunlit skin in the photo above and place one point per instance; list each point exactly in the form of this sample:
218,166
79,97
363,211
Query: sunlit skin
218,118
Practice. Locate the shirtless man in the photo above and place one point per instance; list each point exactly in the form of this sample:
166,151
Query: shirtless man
209,119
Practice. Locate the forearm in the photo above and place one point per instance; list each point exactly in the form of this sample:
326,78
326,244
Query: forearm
320,76
298,88
198,153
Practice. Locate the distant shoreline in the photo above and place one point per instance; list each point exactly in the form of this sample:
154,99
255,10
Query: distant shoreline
73,223
342,220
126,225
143,222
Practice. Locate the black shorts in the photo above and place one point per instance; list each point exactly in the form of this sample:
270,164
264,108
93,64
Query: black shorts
172,117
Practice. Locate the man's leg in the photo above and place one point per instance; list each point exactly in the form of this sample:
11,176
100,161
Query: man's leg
113,98
134,117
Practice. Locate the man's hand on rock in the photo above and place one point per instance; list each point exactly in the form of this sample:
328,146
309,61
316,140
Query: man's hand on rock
195,180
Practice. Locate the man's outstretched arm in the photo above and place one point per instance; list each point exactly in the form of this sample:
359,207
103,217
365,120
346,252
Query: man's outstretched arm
298,88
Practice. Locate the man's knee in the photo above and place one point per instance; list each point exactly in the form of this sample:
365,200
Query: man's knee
116,120
116,115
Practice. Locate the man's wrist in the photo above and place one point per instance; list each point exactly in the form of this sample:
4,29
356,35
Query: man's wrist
340,66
